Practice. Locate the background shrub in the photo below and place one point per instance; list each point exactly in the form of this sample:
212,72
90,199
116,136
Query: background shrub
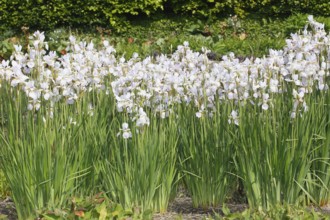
211,8
42,14
39,14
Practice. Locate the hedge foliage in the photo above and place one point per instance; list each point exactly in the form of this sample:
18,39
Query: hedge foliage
242,8
47,14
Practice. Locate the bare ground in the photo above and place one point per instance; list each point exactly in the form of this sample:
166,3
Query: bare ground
182,207
7,209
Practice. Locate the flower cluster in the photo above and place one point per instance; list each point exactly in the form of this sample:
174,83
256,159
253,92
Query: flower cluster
190,77
43,75
185,77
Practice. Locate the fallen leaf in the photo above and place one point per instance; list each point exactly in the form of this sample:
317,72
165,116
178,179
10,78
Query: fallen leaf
242,36
130,40
79,213
63,52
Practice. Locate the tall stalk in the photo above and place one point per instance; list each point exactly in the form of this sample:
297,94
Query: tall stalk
273,153
206,155
139,172
96,115
319,178
38,154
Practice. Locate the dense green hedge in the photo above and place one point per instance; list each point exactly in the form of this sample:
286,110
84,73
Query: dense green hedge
47,14
241,8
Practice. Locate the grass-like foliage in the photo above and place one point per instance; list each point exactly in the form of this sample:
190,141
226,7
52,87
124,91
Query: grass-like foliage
274,152
318,179
206,155
41,158
140,171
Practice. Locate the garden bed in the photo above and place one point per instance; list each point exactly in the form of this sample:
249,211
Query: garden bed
180,208
135,128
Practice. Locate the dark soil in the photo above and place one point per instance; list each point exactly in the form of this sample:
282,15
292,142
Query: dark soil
7,209
182,207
